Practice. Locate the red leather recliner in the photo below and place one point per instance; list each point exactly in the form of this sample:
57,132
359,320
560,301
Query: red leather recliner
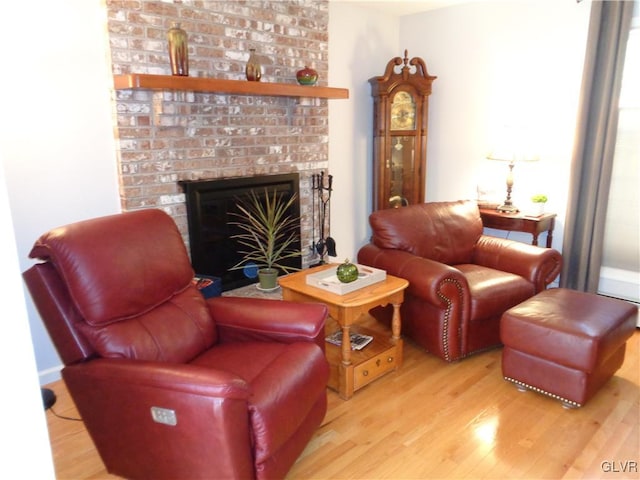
460,281
171,385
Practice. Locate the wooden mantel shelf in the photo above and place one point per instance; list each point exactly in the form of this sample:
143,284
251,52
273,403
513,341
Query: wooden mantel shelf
144,81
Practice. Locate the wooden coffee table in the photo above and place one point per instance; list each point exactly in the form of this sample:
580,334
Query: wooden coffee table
352,370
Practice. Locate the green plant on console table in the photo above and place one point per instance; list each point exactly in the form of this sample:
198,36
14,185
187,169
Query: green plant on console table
539,198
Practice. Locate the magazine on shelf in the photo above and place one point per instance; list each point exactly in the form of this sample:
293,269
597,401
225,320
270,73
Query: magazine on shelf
358,340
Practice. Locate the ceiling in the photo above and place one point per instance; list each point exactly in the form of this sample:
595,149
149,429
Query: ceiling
404,7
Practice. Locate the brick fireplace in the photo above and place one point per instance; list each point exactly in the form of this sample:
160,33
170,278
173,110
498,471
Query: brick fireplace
166,137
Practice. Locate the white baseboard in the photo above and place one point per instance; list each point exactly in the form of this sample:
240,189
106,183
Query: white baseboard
50,375
618,283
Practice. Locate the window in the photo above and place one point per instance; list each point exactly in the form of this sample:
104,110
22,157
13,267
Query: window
620,274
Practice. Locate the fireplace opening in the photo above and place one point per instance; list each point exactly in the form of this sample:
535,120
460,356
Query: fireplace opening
210,208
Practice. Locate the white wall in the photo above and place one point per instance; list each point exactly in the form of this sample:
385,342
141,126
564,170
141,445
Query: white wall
57,138
24,439
361,42
501,63
498,63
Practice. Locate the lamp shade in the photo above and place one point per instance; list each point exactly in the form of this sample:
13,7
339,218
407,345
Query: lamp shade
514,145
512,156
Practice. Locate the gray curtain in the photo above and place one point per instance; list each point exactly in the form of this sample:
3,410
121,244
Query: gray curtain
596,129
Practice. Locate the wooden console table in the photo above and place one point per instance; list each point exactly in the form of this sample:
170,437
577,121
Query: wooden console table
516,222
352,370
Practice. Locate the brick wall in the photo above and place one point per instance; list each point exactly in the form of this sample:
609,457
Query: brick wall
164,137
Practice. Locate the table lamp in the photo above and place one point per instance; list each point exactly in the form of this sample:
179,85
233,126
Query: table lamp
512,157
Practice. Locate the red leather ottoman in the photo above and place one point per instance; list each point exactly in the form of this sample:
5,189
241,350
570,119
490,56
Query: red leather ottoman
565,344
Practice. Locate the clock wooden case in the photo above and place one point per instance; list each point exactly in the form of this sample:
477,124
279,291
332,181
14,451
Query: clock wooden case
401,107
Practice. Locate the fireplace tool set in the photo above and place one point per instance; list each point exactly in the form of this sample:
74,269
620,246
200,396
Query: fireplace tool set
321,189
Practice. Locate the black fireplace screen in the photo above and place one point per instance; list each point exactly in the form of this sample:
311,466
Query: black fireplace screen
210,204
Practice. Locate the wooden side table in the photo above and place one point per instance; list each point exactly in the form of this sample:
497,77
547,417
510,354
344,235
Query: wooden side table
516,222
352,370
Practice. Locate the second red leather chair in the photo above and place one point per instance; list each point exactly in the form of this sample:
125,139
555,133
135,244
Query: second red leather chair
460,281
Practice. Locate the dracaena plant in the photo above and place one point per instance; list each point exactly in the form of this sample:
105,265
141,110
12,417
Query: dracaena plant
269,233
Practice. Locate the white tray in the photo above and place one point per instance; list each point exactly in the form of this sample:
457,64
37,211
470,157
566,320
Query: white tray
327,279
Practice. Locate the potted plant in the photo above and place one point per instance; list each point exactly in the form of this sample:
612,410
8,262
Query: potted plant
268,235
539,201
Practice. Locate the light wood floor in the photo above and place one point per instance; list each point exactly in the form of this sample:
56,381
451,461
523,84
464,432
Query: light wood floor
438,420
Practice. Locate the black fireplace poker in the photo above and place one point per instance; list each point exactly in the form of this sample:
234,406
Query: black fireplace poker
321,202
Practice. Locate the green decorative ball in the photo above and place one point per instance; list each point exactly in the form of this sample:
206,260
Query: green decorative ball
347,272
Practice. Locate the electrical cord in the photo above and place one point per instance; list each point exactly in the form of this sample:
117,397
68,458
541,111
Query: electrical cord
63,417
49,399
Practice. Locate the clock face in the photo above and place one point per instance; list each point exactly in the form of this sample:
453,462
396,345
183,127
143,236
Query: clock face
403,112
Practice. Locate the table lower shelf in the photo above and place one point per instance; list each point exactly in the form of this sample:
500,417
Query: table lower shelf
379,357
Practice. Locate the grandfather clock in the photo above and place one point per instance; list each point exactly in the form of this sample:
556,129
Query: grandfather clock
401,107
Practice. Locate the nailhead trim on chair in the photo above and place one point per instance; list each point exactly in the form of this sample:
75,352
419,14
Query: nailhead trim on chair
447,315
566,403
